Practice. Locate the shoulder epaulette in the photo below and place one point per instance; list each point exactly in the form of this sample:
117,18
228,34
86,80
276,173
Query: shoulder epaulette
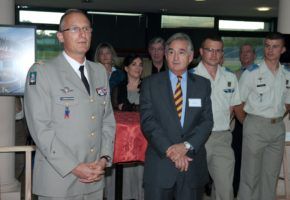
287,67
40,62
252,67
228,69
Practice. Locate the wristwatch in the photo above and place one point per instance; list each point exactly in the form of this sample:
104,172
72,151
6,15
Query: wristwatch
188,146
108,158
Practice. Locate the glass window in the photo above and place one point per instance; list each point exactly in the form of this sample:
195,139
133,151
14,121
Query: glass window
233,25
170,21
232,49
114,13
47,44
39,17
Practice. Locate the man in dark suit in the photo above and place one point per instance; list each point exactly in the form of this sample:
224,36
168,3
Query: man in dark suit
176,125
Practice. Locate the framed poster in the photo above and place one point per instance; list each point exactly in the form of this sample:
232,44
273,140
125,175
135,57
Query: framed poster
17,54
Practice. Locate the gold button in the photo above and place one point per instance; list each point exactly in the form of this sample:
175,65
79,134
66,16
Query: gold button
104,103
93,117
92,134
92,150
91,100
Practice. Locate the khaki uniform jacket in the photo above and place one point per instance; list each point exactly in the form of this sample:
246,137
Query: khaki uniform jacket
68,126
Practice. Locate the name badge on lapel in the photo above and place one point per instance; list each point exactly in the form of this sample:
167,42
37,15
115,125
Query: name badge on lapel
194,102
101,91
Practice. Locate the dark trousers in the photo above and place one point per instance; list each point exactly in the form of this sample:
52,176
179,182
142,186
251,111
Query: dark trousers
237,147
180,191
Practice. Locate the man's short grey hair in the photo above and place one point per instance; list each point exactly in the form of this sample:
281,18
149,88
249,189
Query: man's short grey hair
248,44
180,36
156,40
68,12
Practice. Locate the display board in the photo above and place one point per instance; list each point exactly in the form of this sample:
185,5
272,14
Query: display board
17,54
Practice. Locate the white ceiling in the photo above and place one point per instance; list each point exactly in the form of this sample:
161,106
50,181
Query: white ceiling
236,8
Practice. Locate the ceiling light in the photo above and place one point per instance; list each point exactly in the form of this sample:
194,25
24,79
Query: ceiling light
263,9
199,0
114,13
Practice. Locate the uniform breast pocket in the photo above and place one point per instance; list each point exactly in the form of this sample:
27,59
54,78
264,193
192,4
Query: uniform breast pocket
229,90
261,88
262,85
65,107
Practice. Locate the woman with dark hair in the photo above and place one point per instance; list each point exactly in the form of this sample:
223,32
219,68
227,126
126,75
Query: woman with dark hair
126,96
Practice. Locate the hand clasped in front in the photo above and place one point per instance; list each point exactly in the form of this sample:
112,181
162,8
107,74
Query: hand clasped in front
177,153
90,172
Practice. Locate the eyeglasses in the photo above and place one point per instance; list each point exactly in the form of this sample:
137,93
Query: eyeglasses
76,29
211,50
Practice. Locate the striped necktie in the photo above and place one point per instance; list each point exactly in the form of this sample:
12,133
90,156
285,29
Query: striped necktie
178,97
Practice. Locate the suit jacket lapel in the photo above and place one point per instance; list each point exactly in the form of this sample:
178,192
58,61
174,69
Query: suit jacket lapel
191,92
166,96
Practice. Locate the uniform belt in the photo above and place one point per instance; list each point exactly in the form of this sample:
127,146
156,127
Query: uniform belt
271,120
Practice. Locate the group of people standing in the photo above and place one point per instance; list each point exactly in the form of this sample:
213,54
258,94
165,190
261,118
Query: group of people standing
185,117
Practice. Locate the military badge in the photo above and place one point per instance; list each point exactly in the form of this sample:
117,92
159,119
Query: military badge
66,90
32,78
101,91
230,90
66,112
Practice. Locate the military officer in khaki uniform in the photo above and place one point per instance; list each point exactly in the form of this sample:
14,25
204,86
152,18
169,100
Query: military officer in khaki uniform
265,91
224,96
70,118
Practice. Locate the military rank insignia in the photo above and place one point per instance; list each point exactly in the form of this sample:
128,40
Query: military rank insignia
32,78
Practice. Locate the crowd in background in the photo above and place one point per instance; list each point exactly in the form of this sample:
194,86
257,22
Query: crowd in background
230,128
